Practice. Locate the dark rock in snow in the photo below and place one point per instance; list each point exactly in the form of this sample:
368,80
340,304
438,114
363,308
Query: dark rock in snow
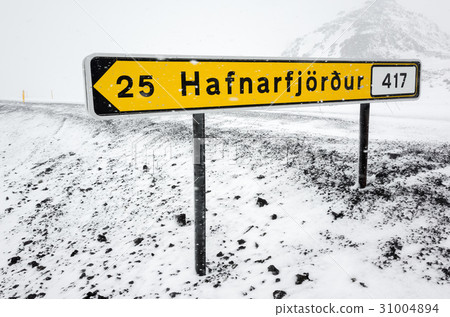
237,197
337,215
171,245
108,250
138,241
46,200
393,156
393,246
273,269
242,247
362,284
28,242
220,254
277,280
145,168
181,219
31,296
33,264
442,201
274,216
101,238
261,202
13,260
174,294
75,252
263,260
260,177
446,273
90,295
278,294
241,241
301,278
41,254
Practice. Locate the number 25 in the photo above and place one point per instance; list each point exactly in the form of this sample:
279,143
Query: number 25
143,82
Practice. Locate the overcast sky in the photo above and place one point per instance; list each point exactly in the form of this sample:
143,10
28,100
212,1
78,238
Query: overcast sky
44,42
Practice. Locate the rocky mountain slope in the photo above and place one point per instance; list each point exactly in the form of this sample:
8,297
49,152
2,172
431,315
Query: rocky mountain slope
383,30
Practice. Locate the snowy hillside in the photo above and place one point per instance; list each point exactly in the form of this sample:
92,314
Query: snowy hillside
386,30
91,209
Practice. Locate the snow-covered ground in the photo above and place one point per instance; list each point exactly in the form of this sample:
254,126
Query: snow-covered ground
81,216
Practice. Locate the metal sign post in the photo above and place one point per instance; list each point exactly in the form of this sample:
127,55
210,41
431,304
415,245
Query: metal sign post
363,143
198,121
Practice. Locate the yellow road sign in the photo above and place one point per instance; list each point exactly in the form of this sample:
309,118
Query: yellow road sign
119,85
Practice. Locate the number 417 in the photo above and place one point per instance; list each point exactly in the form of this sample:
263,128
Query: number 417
387,80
